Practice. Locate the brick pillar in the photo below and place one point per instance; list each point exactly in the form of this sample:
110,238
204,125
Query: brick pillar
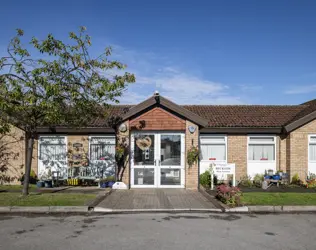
191,173
123,139
237,153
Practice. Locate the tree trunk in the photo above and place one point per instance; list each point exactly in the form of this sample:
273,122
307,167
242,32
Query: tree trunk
28,165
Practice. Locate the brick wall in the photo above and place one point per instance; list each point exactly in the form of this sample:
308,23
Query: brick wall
191,173
14,144
237,153
298,147
157,119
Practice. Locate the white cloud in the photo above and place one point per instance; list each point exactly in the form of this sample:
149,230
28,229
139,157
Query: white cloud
180,85
303,89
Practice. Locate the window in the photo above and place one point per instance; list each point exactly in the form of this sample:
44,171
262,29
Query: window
312,147
102,148
213,148
261,148
52,148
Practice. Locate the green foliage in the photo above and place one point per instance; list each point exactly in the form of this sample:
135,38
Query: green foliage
33,174
245,181
296,179
258,179
205,179
60,84
192,156
311,183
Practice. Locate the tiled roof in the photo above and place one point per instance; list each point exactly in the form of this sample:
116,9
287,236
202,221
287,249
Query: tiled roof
232,115
246,115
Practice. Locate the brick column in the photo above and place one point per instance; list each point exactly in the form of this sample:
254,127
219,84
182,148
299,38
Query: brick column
191,173
124,140
237,153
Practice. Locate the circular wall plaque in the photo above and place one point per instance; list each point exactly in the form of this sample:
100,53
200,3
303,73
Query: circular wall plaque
192,129
123,127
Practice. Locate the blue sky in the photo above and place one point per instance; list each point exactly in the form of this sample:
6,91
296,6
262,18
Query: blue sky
193,52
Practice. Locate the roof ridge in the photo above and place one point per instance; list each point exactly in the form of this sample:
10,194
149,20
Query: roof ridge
242,105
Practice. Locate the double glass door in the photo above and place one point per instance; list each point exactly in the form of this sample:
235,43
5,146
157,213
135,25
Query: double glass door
157,160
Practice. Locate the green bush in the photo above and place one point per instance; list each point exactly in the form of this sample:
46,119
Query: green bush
296,179
205,179
33,175
245,181
258,179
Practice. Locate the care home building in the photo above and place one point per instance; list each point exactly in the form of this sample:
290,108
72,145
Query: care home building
158,133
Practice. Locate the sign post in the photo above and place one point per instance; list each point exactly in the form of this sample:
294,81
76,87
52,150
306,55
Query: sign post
221,171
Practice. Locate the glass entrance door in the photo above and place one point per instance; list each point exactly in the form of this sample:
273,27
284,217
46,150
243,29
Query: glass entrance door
157,160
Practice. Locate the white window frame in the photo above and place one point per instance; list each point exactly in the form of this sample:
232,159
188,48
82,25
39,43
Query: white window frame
260,143
40,136
39,160
309,143
103,136
214,143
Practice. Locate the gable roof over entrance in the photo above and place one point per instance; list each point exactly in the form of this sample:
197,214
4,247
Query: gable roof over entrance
157,100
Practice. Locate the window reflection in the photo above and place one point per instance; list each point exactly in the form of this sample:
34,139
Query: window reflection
170,150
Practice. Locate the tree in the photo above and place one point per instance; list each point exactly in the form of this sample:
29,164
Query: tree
59,85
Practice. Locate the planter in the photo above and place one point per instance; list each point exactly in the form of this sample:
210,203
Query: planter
276,177
270,172
267,177
103,184
48,184
40,184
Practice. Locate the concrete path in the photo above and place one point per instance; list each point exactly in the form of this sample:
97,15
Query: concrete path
157,199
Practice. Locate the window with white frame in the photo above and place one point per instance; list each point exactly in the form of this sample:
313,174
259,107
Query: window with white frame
102,148
261,148
213,148
312,147
52,148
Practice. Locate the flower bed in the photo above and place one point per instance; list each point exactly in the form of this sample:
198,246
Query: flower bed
229,195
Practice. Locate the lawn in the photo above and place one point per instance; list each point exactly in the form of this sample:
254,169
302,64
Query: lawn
278,199
15,199
16,188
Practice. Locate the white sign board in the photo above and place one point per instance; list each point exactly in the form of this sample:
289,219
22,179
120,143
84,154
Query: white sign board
222,170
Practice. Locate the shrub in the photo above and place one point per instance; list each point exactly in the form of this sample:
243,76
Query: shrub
205,179
296,179
33,178
258,179
229,195
245,181
311,183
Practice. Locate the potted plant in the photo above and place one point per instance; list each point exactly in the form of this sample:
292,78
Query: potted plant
266,176
192,156
48,182
280,173
270,172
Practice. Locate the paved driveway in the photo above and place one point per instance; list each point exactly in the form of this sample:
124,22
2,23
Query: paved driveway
158,199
